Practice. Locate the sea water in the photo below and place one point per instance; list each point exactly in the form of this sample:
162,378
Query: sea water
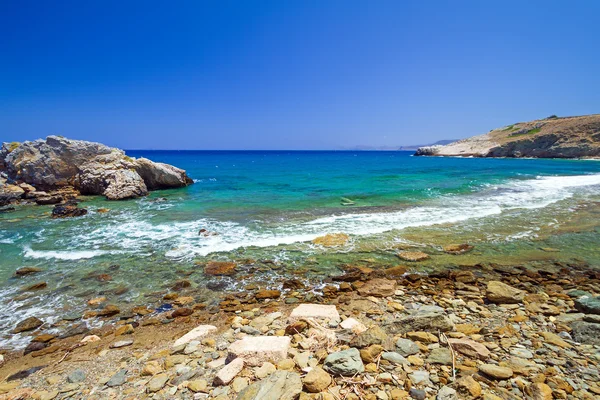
264,208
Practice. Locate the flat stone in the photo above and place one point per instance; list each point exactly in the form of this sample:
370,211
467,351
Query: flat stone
588,304
281,385
394,358
413,256
197,333
554,339
373,335
496,371
345,363
470,348
316,311
446,393
117,379
28,324
378,288
157,382
76,376
421,321
441,355
406,347
121,343
498,292
258,349
229,372
198,385
264,370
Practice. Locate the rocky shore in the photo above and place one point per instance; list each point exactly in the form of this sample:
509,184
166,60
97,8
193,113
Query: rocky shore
552,137
485,332
57,169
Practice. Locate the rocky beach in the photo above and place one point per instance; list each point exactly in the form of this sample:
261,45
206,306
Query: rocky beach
486,293
490,332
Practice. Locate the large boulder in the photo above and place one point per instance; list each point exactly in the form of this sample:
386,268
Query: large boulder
91,168
498,292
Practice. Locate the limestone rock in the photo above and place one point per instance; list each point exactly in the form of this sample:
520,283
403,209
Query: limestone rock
413,256
332,240
421,321
197,333
92,168
229,372
316,311
498,292
281,385
470,348
496,371
258,349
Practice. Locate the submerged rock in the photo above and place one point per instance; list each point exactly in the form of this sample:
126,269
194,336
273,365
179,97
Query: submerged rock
28,324
332,240
67,211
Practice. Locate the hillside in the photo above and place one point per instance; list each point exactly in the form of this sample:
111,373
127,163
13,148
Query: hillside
552,137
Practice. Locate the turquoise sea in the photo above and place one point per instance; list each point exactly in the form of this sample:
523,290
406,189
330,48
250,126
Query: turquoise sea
263,209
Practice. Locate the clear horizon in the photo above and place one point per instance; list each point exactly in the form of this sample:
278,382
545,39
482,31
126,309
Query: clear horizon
292,76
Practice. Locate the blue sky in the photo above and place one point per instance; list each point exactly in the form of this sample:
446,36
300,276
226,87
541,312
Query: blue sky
291,74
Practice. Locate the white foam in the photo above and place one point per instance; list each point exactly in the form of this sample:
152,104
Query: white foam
63,255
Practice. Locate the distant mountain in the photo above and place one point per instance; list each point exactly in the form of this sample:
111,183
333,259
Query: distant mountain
552,137
394,148
438,143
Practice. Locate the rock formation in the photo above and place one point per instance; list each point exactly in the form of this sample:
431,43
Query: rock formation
552,137
90,168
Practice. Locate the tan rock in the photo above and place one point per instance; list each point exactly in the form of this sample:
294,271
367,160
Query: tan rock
332,240
124,330
470,348
198,386
220,268
467,329
458,248
498,292
152,368
496,371
267,294
540,391
229,372
197,333
424,337
554,339
258,349
468,387
316,380
378,288
315,311
413,256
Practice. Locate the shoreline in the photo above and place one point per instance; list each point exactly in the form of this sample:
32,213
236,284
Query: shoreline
454,293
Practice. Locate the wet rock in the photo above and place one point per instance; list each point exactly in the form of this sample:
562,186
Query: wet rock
74,331
345,363
267,294
498,292
28,324
68,211
35,286
48,200
218,268
413,256
588,304
109,311
182,312
27,271
34,346
332,240
281,385
378,288
458,248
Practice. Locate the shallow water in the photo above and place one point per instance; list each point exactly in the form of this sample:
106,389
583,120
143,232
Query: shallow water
268,206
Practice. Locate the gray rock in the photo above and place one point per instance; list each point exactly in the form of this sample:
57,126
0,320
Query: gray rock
280,385
117,379
345,363
588,304
395,358
421,321
406,347
447,393
91,168
441,355
586,332
420,377
417,394
373,335
76,376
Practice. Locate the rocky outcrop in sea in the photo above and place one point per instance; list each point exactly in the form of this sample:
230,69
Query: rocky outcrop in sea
43,170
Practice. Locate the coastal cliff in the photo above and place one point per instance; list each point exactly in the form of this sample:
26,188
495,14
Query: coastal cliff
39,169
552,137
